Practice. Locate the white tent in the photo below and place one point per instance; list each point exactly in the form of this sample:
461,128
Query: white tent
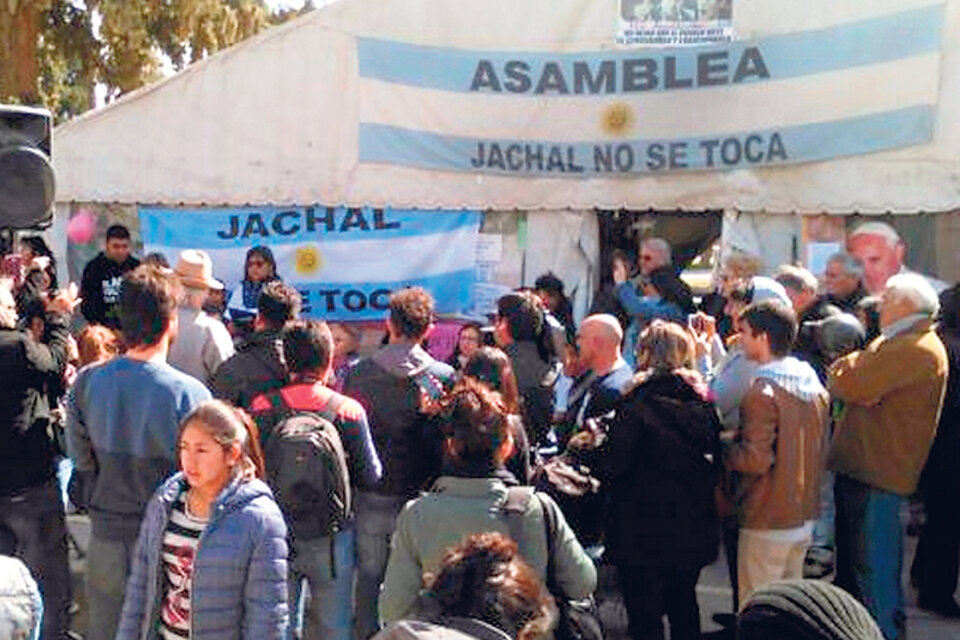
278,118
366,103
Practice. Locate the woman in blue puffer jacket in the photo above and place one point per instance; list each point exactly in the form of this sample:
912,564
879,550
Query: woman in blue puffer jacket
211,559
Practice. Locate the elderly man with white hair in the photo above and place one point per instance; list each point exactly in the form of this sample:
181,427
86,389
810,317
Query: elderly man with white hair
843,281
892,392
202,343
883,254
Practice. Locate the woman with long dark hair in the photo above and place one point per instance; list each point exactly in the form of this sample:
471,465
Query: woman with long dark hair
476,495
260,267
39,274
469,339
492,367
211,559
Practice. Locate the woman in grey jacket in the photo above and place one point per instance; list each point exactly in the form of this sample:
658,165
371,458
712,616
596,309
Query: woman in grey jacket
477,495
211,559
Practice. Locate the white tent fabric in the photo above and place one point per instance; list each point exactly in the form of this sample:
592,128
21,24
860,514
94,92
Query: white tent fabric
276,120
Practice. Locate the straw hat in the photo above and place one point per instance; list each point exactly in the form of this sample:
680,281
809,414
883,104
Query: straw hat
196,270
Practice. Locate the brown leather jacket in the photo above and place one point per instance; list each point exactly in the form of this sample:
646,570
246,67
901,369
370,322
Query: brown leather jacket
779,456
893,391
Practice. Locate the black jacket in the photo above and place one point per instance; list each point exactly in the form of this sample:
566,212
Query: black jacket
26,451
100,289
672,288
661,467
258,366
808,344
941,472
535,385
388,385
848,303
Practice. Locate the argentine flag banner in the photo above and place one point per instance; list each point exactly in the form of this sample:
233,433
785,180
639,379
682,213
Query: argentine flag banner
344,261
857,87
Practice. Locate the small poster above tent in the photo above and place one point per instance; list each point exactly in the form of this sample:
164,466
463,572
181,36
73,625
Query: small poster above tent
674,22
344,261
848,89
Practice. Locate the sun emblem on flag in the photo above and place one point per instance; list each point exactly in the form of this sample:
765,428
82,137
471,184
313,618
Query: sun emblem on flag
309,260
617,119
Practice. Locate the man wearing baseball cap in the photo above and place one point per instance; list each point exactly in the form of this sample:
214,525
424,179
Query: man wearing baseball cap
202,342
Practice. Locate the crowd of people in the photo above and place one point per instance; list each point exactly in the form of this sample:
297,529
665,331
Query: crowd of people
239,463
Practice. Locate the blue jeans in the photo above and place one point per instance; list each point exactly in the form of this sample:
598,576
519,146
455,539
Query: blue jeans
327,564
870,551
32,528
823,530
64,471
376,520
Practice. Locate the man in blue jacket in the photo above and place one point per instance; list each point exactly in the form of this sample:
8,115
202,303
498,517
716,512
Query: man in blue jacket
122,432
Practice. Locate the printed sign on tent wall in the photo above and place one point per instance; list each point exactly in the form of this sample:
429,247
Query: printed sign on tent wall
674,22
487,289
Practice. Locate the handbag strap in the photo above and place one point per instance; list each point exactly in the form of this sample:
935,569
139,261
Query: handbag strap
515,506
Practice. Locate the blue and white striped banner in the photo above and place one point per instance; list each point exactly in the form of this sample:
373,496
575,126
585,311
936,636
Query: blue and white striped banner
345,261
853,88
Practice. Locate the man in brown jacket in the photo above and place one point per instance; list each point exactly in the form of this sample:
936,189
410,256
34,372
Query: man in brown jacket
778,451
893,392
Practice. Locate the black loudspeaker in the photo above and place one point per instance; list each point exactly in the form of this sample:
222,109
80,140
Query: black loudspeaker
26,175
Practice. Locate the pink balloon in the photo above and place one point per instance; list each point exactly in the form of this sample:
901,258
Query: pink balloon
81,228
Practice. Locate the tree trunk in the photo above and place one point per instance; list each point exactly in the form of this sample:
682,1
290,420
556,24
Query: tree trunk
18,50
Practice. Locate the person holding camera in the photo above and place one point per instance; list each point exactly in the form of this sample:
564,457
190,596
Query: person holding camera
32,525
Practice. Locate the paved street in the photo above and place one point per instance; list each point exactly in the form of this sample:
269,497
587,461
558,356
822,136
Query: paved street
713,590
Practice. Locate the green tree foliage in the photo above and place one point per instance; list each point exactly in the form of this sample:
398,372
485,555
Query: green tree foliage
55,52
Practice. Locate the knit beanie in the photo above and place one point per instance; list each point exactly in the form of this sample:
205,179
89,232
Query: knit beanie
805,610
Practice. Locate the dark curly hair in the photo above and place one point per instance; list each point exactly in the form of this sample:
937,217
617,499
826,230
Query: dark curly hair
278,304
475,418
411,312
485,578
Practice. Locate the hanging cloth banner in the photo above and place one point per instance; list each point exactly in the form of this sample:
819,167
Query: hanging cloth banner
345,262
850,89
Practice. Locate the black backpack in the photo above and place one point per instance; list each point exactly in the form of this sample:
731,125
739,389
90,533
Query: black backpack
307,470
